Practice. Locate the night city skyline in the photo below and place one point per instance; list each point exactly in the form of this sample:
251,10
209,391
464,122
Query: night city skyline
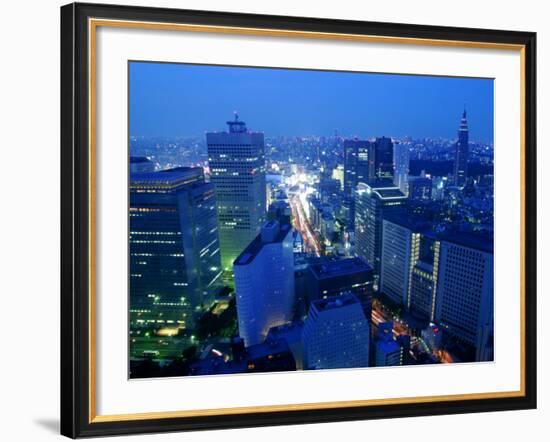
253,249
294,102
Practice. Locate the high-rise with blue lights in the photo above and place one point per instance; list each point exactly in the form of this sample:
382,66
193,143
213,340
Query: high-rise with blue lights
336,334
358,164
401,157
461,153
175,268
465,290
372,202
237,165
264,282
410,263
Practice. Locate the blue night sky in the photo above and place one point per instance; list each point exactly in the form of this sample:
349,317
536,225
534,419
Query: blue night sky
187,100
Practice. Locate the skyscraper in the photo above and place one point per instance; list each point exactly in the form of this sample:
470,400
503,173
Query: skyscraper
401,157
465,290
175,264
336,334
264,282
383,158
410,260
237,163
372,202
461,153
358,164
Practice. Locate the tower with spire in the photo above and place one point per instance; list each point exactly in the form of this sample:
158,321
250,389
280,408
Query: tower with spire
461,153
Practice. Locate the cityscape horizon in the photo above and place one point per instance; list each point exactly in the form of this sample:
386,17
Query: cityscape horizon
252,252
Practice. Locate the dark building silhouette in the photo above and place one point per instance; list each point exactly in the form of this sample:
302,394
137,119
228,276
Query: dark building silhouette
383,158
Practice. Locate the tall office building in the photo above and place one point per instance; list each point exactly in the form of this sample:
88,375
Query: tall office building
401,157
383,158
175,264
264,282
336,334
329,277
396,258
465,290
358,164
461,153
372,202
237,163
409,267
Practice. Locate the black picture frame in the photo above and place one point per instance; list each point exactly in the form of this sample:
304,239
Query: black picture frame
75,220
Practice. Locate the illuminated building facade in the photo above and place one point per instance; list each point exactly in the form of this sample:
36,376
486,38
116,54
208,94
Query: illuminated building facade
410,260
237,164
174,260
264,282
336,334
372,202
401,156
465,291
358,163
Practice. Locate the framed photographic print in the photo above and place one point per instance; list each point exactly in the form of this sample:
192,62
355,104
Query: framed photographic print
275,220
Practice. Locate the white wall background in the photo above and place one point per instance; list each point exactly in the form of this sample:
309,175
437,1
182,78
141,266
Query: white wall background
29,217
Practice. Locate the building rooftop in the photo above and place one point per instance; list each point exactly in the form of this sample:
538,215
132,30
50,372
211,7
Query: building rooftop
279,233
474,240
383,187
330,268
167,179
411,221
270,347
335,302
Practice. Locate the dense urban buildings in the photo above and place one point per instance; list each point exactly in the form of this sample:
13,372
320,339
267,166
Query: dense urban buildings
237,166
354,247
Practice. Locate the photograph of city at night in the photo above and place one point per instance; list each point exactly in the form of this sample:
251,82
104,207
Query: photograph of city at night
288,219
